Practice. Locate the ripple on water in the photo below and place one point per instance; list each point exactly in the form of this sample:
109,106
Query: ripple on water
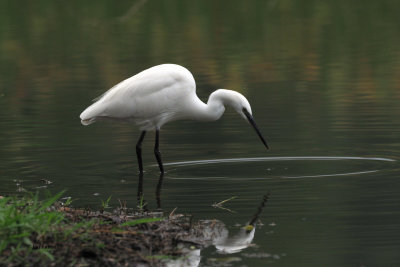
278,167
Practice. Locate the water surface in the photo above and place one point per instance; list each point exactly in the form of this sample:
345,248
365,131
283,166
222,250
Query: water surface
323,81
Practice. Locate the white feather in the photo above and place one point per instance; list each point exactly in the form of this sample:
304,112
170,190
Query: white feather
161,94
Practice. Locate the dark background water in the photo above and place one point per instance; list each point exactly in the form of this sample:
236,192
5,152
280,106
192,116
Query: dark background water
323,79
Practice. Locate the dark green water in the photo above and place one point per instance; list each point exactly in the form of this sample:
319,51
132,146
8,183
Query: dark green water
323,79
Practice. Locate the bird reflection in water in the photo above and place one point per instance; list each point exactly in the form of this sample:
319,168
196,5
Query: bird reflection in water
142,204
209,232
215,233
219,235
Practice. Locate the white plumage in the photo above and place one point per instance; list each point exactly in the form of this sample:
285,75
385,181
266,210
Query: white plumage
161,94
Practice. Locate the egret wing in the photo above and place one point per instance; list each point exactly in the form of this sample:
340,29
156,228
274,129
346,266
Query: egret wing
144,95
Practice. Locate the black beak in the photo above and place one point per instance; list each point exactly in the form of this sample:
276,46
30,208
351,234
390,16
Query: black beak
253,123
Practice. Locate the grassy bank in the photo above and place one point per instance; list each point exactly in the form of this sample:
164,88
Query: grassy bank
47,232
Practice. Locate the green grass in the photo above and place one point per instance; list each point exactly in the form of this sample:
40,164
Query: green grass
20,218
105,204
142,203
26,222
32,230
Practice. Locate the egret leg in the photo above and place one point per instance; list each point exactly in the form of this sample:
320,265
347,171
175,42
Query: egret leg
157,151
139,151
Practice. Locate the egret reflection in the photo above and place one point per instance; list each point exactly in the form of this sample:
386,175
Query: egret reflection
215,233
142,204
207,233
218,233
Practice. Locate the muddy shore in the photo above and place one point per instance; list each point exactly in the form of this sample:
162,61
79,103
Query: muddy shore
127,237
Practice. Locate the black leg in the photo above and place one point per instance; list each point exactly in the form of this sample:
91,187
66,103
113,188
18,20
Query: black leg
139,151
157,151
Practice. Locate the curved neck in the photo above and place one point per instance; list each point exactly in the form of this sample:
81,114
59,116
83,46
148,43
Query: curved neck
211,111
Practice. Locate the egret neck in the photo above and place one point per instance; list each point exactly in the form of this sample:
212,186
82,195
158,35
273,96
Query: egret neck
215,106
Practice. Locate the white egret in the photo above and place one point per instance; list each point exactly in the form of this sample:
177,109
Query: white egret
161,94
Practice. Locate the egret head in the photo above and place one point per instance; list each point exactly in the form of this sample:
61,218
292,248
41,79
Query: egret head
242,106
